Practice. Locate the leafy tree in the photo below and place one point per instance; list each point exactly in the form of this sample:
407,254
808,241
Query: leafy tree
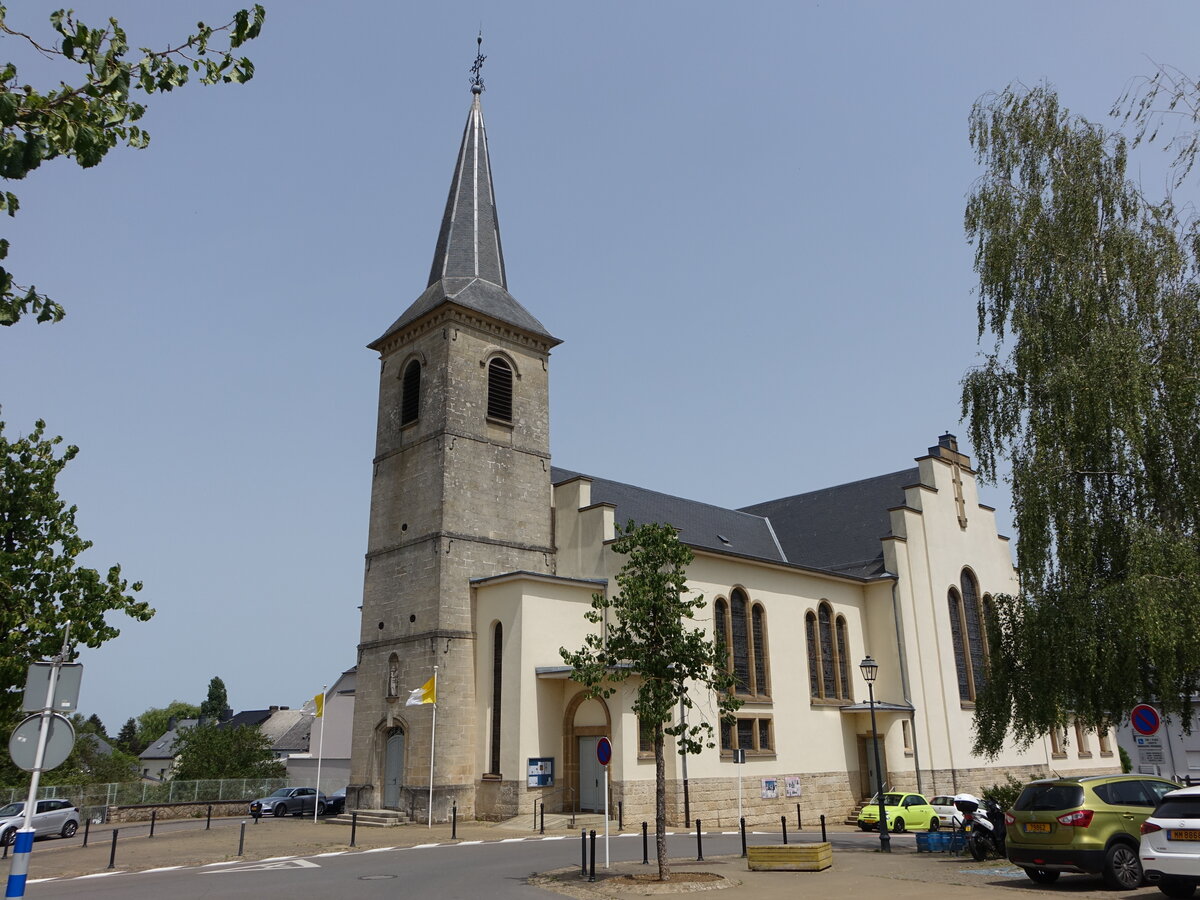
152,724
96,726
1167,98
1090,393
647,636
42,584
84,120
213,751
127,737
92,760
217,700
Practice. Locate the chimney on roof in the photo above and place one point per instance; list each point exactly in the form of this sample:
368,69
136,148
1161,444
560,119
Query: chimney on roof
203,720
949,441
273,709
227,714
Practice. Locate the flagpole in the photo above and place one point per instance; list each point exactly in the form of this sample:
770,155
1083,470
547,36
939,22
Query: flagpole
432,738
320,750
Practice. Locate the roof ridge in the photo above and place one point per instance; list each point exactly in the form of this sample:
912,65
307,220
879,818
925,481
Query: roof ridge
833,487
645,490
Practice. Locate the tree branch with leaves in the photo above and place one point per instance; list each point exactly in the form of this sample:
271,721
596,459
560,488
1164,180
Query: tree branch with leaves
86,119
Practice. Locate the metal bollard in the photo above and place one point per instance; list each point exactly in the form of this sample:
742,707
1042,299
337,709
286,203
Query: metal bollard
823,838
454,821
535,816
699,844
743,827
799,821
353,827
645,846
153,820
592,867
620,815
242,839
208,820
583,851
542,830
783,826
87,826
112,854
5,856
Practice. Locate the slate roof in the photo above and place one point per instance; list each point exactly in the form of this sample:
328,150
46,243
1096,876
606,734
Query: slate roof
468,261
251,717
699,524
836,529
164,747
839,528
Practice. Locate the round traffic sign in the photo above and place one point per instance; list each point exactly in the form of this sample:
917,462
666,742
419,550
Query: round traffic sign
604,751
1145,719
22,746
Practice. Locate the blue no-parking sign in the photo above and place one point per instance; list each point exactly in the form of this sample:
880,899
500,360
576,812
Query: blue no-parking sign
1145,719
603,751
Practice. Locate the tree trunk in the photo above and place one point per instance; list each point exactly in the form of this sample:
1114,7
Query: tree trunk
660,805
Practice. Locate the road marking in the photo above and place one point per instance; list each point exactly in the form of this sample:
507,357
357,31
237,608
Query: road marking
556,837
333,853
465,843
160,869
273,866
277,858
378,849
100,875
226,862
510,840
423,846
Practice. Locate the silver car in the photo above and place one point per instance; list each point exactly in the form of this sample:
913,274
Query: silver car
294,800
49,817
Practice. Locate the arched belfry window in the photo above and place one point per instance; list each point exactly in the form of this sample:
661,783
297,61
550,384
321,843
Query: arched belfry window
500,390
497,691
828,654
743,628
410,394
968,613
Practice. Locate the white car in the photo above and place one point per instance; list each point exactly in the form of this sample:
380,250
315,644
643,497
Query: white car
1170,849
49,817
946,810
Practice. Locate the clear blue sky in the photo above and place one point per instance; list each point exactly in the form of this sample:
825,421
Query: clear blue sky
744,220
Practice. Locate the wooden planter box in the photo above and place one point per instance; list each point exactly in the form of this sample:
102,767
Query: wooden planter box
790,858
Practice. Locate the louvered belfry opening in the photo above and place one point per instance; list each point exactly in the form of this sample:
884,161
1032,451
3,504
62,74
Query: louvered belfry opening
500,393
410,399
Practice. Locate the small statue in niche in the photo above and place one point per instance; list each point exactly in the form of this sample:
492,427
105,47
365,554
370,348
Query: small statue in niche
393,684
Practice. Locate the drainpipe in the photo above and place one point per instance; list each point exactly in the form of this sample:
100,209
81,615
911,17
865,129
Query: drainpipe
904,685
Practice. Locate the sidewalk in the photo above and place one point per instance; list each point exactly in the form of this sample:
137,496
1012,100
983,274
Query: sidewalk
902,875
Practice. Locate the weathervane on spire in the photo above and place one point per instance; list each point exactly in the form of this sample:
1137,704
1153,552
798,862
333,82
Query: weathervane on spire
477,69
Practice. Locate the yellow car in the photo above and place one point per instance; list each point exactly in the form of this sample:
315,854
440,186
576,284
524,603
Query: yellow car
903,811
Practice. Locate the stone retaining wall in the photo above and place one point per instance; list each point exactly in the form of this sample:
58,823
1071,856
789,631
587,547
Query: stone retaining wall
143,812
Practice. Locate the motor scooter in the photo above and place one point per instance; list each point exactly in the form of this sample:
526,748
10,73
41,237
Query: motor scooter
983,825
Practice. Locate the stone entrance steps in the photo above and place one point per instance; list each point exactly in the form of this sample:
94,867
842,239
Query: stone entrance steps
372,818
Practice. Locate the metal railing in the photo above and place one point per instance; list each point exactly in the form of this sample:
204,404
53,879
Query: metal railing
133,793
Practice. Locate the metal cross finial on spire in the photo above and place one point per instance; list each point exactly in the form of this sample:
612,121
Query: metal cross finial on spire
477,69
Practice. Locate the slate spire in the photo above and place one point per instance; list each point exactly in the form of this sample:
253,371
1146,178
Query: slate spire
468,244
468,263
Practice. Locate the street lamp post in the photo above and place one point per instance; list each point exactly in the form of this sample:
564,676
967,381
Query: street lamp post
870,669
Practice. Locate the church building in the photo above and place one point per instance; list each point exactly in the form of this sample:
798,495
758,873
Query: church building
482,560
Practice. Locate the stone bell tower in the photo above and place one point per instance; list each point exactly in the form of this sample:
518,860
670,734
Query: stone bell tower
461,490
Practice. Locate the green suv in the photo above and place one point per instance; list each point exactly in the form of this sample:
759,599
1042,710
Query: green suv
1087,824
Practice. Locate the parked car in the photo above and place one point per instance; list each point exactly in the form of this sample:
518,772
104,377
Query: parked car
948,813
49,817
1170,849
294,800
337,803
903,811
1085,824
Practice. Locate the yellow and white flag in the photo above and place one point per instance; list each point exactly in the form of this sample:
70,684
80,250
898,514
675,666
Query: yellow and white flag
426,693
319,702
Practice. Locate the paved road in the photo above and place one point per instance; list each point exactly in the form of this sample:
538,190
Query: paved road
495,870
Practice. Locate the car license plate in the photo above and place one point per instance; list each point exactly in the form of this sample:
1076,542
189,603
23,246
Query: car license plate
1037,828
1183,834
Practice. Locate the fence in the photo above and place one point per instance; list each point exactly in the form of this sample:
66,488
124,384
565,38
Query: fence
136,792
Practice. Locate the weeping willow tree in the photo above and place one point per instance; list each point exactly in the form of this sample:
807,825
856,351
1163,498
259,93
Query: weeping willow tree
1090,391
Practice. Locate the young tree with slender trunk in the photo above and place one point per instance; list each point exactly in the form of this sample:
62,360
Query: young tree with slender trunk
646,634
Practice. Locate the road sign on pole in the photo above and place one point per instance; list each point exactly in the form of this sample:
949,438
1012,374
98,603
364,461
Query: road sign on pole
1145,719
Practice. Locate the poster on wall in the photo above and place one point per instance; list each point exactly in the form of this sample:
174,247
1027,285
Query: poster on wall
770,788
791,785
540,771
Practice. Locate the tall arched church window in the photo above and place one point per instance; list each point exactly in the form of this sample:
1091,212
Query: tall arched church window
973,630
814,654
500,390
740,641
828,655
497,694
843,664
743,628
410,393
961,668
